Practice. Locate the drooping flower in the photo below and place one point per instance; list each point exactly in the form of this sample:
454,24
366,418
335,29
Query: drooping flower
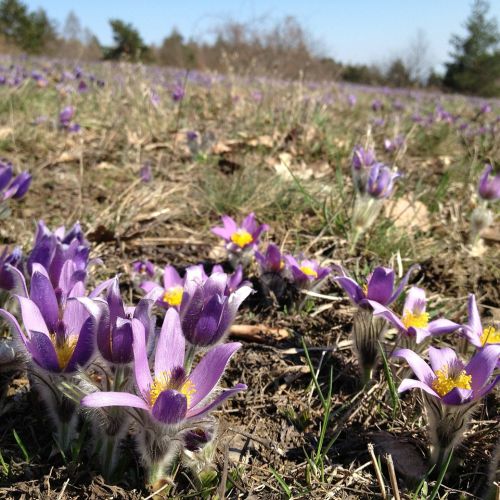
306,273
59,335
489,189
379,286
414,322
171,396
474,331
243,237
448,378
208,307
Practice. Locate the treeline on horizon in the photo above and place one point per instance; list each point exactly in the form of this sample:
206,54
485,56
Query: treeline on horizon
285,50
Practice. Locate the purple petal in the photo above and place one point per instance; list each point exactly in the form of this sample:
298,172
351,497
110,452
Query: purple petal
43,295
115,302
420,368
32,317
482,364
441,357
415,301
249,223
122,340
43,352
84,347
171,344
170,407
441,326
7,316
143,377
227,393
409,383
100,399
149,286
74,316
209,370
350,287
474,322
171,278
384,312
206,331
380,285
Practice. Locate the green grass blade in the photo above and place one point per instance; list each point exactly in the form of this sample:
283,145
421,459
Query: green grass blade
282,483
440,478
21,446
390,381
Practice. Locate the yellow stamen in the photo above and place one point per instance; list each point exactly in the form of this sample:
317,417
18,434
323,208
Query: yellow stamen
445,382
309,271
173,296
164,382
420,320
490,336
282,264
241,237
365,289
64,350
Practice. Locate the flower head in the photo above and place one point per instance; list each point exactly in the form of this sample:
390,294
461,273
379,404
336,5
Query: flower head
306,273
243,237
272,261
12,188
414,321
380,181
144,267
114,333
474,331
10,274
60,332
209,307
379,286
448,379
170,395
489,189
362,158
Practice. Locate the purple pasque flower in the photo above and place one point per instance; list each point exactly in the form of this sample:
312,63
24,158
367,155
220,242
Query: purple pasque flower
144,267
379,286
489,189
208,307
60,334
351,99
273,261
240,238
178,93
114,333
53,249
171,396
393,144
12,188
10,273
414,321
146,174
66,115
474,331
306,273
448,378
380,181
377,105
170,295
362,158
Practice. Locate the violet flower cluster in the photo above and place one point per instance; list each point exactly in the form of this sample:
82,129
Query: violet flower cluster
11,186
88,345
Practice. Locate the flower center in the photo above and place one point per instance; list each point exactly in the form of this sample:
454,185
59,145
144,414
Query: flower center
173,296
490,336
242,238
446,381
420,320
309,271
64,350
175,380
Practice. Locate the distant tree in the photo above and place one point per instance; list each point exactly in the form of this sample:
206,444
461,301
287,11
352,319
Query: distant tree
128,43
30,31
397,74
417,60
72,29
475,65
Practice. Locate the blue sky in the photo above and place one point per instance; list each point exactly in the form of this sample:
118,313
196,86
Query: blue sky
359,31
